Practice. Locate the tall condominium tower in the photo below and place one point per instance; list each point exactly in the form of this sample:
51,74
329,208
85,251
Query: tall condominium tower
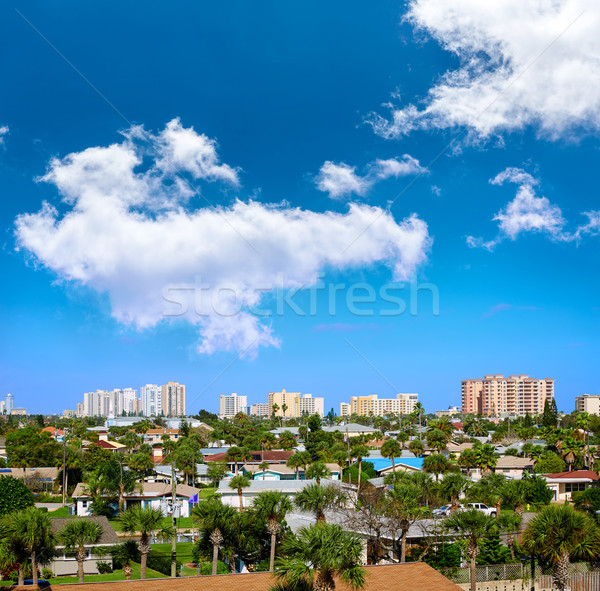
173,399
495,395
403,404
231,405
294,404
151,400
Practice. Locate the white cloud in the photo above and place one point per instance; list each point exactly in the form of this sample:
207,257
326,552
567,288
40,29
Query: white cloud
127,232
521,63
340,180
3,131
528,212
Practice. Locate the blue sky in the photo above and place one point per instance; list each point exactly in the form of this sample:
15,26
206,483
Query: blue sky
274,92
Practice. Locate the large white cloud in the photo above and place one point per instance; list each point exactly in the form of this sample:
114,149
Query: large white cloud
529,212
341,180
128,232
521,63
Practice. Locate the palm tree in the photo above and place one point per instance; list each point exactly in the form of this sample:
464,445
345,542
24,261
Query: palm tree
125,554
514,494
216,521
272,507
487,490
239,483
263,466
359,452
510,523
144,522
294,462
452,486
30,530
317,499
13,551
318,554
287,440
436,464
76,535
402,438
317,471
558,534
442,424
486,458
467,459
416,447
391,449
472,525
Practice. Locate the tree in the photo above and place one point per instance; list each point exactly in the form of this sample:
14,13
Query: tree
144,522
294,462
317,471
558,534
13,552
30,529
319,553
123,555
237,455
436,439
416,447
272,507
436,464
76,535
216,471
549,463
216,522
452,487
264,466
359,452
287,440
514,494
588,501
486,458
550,414
391,449
404,507
239,483
117,479
471,525
14,495
317,499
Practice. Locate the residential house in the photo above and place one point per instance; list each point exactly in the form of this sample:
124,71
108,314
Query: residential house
563,484
152,494
383,466
55,433
65,563
282,472
37,479
513,466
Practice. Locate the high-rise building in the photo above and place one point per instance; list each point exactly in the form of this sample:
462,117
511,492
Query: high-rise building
151,400
372,405
294,404
173,399
231,405
589,403
495,395
260,409
9,403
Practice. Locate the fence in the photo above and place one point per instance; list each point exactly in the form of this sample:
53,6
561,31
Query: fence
517,577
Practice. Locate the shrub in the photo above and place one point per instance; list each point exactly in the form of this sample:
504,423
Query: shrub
14,495
47,573
206,568
161,562
587,500
104,567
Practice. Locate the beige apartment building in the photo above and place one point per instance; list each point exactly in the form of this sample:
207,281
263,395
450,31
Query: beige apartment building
589,403
496,395
296,404
365,406
173,399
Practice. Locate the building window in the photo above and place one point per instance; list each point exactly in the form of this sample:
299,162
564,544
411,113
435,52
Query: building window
574,486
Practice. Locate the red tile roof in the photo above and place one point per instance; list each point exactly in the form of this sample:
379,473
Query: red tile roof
574,474
53,431
389,577
257,456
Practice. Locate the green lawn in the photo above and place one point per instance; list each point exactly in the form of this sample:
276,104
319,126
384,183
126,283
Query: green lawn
114,576
184,555
60,512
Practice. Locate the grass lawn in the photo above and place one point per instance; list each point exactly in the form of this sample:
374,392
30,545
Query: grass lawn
114,576
184,555
60,512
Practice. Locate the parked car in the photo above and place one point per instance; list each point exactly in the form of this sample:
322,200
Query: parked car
442,511
491,511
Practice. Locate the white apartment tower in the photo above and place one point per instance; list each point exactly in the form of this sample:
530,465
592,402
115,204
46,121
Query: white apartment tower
151,400
231,405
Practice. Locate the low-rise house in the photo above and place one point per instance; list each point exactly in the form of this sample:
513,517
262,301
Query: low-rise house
156,435
513,466
3,448
55,433
152,494
289,488
271,457
36,479
282,472
65,563
564,484
383,466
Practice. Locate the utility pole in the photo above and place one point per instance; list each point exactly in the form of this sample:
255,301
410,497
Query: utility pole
173,498
64,470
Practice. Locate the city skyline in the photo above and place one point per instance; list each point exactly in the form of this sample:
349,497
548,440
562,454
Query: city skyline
339,200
